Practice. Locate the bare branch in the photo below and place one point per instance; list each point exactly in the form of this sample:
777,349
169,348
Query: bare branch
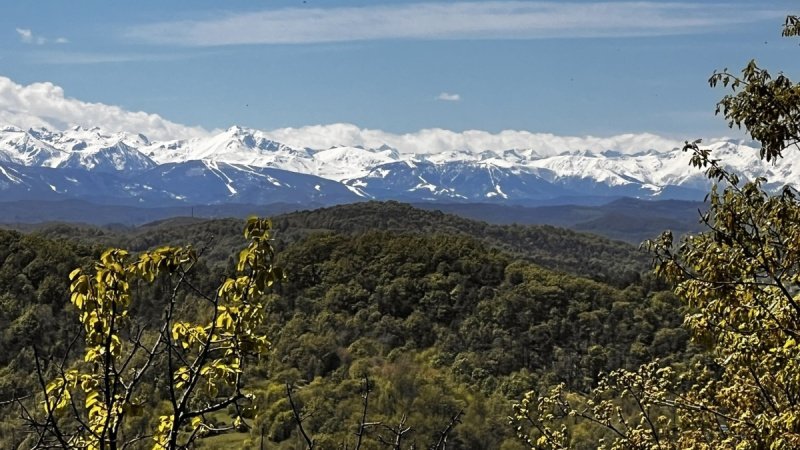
442,442
297,418
365,390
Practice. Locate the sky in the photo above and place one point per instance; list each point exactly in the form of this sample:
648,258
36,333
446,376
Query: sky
567,68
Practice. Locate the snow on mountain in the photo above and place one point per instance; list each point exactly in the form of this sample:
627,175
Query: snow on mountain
236,145
455,181
652,171
117,157
345,163
239,145
745,162
29,149
191,182
599,174
9,176
74,148
235,165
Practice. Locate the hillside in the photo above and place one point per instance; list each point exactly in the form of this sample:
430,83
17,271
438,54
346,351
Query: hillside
625,219
556,248
443,313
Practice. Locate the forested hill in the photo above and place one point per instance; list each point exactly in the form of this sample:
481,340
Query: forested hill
583,254
426,304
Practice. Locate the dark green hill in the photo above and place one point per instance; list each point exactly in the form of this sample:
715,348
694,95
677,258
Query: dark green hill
626,219
573,252
556,248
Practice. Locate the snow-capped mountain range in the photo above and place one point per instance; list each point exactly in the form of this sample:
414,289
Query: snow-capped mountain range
244,166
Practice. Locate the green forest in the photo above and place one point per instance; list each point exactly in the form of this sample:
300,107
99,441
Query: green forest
378,325
441,313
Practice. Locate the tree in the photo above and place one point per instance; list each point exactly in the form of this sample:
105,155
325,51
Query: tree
740,280
194,356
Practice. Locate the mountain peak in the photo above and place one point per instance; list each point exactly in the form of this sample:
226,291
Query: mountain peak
238,130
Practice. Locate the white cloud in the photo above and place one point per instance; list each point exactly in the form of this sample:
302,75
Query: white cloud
44,104
444,96
454,20
436,140
27,36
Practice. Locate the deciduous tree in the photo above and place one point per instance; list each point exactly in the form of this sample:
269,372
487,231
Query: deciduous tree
740,280
196,361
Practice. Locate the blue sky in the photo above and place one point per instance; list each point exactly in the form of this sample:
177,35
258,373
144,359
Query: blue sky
568,68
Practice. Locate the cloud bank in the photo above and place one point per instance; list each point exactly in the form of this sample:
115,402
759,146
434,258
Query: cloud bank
44,104
436,140
453,20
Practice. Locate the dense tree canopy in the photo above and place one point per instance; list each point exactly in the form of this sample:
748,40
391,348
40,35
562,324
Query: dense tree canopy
440,321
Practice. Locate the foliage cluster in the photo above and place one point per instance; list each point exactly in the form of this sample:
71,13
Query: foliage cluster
740,283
